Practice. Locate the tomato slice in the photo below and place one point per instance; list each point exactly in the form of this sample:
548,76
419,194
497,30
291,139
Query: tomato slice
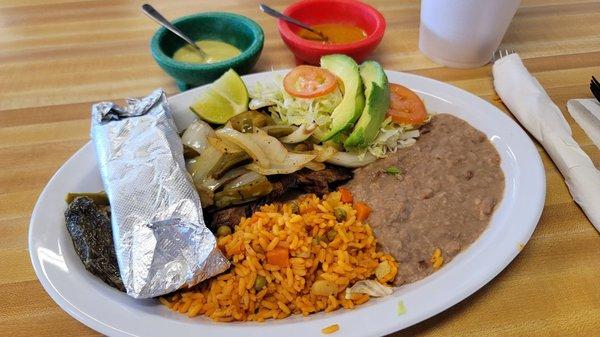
405,106
308,82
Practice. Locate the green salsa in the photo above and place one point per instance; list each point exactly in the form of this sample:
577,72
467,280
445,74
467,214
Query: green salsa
215,50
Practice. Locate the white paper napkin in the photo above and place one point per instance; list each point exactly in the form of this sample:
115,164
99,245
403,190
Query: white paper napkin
530,104
586,112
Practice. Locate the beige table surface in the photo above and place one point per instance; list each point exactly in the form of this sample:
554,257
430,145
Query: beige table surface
57,57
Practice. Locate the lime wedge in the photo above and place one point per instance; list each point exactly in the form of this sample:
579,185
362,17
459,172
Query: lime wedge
225,98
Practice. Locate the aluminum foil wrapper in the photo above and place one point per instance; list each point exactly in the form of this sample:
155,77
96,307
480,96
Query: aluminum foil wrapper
161,241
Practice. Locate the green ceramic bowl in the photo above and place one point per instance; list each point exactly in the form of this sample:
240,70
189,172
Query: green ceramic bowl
234,29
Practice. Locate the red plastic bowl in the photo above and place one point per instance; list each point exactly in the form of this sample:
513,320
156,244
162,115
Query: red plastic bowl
332,11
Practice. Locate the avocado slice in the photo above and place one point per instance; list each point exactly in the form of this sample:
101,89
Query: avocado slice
377,95
353,101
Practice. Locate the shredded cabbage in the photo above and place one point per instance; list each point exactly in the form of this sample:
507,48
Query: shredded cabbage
290,110
369,287
392,137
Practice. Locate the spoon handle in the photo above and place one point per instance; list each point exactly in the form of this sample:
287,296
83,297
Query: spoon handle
270,11
156,16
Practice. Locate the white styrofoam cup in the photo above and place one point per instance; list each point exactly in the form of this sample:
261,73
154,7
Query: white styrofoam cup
464,33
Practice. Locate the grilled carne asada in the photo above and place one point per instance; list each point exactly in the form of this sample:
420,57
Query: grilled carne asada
305,180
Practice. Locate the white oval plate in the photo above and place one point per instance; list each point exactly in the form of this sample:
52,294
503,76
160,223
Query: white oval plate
108,311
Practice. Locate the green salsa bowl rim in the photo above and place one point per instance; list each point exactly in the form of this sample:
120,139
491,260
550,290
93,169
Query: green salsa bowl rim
245,55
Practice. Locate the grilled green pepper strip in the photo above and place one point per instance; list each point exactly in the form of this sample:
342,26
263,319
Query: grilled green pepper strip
247,126
258,120
237,195
226,162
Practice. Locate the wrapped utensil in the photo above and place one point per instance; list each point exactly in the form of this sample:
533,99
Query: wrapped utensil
586,112
161,241
530,104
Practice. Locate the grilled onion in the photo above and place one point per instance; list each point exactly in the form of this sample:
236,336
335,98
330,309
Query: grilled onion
324,152
246,143
214,184
292,163
196,135
272,147
301,134
351,160
201,166
223,146
279,131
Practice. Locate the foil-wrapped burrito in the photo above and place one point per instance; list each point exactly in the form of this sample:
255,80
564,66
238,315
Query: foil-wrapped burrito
161,241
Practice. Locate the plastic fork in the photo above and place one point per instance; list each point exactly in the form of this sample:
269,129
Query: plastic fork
500,53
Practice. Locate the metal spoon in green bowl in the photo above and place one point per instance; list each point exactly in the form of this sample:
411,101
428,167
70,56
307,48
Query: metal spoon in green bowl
156,16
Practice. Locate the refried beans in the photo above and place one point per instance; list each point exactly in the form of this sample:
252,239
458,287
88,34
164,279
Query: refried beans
443,197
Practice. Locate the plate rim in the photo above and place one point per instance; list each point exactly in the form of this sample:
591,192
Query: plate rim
452,300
